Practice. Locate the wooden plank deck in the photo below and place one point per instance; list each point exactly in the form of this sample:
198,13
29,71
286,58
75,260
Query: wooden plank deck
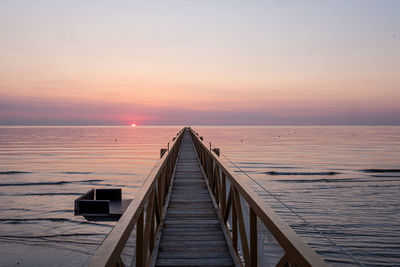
192,233
180,226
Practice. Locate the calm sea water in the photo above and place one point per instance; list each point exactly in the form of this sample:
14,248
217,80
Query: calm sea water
345,181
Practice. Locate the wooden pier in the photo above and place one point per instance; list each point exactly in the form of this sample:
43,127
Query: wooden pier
194,211
192,233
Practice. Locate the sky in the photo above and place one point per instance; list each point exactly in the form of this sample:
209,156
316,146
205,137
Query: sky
280,62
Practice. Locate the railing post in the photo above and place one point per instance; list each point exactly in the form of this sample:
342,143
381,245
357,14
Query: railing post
167,174
157,210
160,191
148,226
223,195
210,167
242,228
234,221
139,241
253,238
212,184
203,158
217,185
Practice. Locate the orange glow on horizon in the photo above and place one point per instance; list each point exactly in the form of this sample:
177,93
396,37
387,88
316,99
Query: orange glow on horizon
164,72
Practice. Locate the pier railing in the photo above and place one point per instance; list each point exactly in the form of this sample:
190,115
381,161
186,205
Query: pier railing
144,215
259,236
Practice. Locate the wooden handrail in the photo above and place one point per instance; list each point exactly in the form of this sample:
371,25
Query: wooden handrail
297,252
144,212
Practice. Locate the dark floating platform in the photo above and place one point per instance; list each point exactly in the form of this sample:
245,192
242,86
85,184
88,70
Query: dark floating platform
101,205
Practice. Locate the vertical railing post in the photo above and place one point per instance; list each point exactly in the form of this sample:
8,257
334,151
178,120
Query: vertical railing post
160,190
253,238
139,241
210,167
217,185
242,227
234,222
148,226
168,173
223,195
162,187
203,159
212,177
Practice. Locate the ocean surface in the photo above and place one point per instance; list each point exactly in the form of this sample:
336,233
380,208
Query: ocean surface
338,187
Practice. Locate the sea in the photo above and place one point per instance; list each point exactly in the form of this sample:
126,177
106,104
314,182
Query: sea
338,187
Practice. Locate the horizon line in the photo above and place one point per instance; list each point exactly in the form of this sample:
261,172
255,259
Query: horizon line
195,125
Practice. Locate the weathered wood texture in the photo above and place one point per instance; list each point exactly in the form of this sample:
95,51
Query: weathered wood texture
192,233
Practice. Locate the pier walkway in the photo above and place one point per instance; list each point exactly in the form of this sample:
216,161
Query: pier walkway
192,233
194,210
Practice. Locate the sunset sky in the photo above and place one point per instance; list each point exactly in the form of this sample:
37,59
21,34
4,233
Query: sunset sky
199,62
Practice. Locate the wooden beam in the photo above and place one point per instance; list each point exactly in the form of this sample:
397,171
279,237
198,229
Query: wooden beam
139,242
284,261
242,227
228,206
218,192
157,209
253,239
159,190
223,192
147,228
234,221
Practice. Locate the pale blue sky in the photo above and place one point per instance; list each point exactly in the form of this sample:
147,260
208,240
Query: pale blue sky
258,62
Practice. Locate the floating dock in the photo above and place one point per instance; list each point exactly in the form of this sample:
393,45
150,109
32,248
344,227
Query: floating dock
102,204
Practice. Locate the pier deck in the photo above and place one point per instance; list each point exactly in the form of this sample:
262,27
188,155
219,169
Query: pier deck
192,233
193,210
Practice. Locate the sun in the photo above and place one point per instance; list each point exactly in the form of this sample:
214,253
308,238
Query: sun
133,125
